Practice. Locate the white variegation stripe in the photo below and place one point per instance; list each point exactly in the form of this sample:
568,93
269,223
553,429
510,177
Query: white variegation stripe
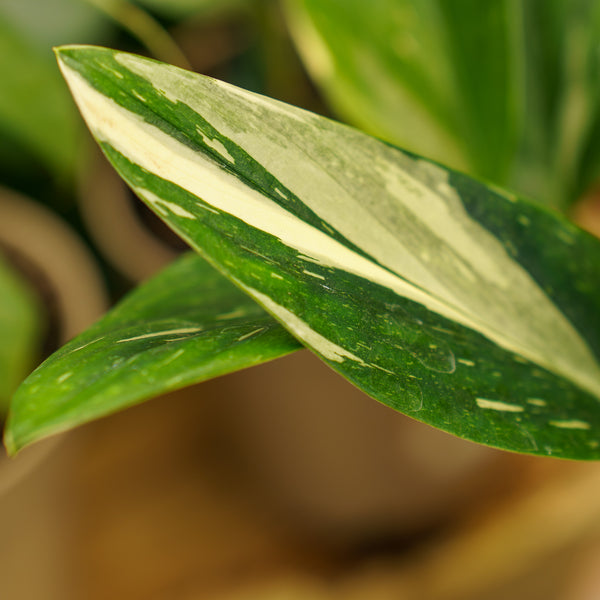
537,402
570,424
154,334
497,405
523,321
163,206
301,329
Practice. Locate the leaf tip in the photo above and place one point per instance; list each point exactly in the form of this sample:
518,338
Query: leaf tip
61,53
72,51
9,442
60,50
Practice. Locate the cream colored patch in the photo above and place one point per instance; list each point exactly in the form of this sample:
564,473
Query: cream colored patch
311,259
311,274
172,358
138,96
466,362
250,334
161,204
537,402
524,220
86,345
108,68
64,377
496,405
216,145
208,208
572,424
175,381
381,368
161,334
298,327
239,312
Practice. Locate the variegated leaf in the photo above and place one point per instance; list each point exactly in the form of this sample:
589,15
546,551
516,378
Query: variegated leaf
185,325
460,305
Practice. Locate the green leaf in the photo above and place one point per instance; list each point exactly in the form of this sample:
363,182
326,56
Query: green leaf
46,23
579,114
185,325
439,78
460,305
560,151
34,108
505,90
20,324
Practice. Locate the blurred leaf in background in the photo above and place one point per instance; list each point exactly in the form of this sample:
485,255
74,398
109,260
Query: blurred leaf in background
46,23
20,325
505,90
37,120
35,110
407,71
566,35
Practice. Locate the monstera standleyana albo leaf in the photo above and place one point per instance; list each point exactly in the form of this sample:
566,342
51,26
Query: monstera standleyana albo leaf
185,325
460,305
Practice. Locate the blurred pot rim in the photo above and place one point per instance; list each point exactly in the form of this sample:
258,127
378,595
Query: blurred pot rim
39,236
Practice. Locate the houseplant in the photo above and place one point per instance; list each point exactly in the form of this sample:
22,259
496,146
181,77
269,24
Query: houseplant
518,533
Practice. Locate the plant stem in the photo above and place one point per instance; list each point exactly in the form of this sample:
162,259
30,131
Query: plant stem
144,28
